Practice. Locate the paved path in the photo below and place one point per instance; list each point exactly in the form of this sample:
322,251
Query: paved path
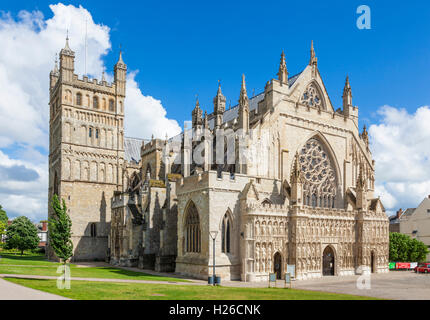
12,291
395,285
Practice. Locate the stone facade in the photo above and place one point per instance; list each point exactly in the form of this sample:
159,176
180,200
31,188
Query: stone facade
86,156
290,181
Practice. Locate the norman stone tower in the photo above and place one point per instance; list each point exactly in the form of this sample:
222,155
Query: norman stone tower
86,151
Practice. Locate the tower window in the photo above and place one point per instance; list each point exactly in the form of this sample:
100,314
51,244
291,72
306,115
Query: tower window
96,103
97,133
79,99
111,105
90,132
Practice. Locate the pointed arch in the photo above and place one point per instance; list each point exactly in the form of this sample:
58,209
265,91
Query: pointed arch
313,96
226,232
192,230
321,172
323,140
266,201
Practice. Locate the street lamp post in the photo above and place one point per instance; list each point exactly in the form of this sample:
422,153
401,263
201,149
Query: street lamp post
213,235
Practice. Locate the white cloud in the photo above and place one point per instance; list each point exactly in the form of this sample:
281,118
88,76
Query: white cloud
146,115
401,149
29,44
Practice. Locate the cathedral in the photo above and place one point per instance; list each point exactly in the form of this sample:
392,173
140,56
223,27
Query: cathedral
281,179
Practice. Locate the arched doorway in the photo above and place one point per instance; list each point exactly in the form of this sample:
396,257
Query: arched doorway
372,262
277,266
328,261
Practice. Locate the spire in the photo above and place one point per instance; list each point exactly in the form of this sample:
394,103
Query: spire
313,60
120,63
296,181
219,100
219,92
296,174
243,119
365,135
66,50
347,94
283,73
205,121
120,75
103,77
243,99
197,114
67,41
361,182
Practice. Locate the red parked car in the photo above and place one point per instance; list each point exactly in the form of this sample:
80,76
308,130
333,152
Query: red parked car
423,268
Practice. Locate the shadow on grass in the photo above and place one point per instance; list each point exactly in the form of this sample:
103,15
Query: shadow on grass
128,273
25,257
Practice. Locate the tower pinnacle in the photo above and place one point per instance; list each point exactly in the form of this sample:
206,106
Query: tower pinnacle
283,73
347,94
313,60
243,98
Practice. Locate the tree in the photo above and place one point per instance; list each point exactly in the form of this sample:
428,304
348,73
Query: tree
60,230
2,230
3,222
405,249
22,235
3,216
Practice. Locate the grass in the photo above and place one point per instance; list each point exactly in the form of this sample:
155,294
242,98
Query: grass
29,258
36,264
86,272
86,290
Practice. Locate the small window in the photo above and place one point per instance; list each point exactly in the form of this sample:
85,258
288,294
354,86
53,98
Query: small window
111,105
428,211
79,99
97,133
96,103
93,230
90,132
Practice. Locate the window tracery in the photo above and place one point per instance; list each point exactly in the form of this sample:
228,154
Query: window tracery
192,229
312,97
320,177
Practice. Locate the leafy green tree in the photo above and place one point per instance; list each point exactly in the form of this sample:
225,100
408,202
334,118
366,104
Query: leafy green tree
2,230
3,222
60,230
405,249
22,235
3,216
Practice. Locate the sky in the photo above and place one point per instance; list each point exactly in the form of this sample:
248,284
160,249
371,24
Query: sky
177,50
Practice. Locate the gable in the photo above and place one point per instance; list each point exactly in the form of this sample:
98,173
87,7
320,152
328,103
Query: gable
306,80
250,192
421,211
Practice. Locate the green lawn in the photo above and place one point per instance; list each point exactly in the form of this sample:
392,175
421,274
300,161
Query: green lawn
33,259
90,272
85,290
34,264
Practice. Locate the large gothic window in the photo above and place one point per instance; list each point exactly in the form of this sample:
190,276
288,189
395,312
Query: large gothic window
319,187
312,97
192,229
225,234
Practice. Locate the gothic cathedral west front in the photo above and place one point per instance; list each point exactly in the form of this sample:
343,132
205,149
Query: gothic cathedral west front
302,192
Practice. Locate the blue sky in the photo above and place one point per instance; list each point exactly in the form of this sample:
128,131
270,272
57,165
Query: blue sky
182,48
176,50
